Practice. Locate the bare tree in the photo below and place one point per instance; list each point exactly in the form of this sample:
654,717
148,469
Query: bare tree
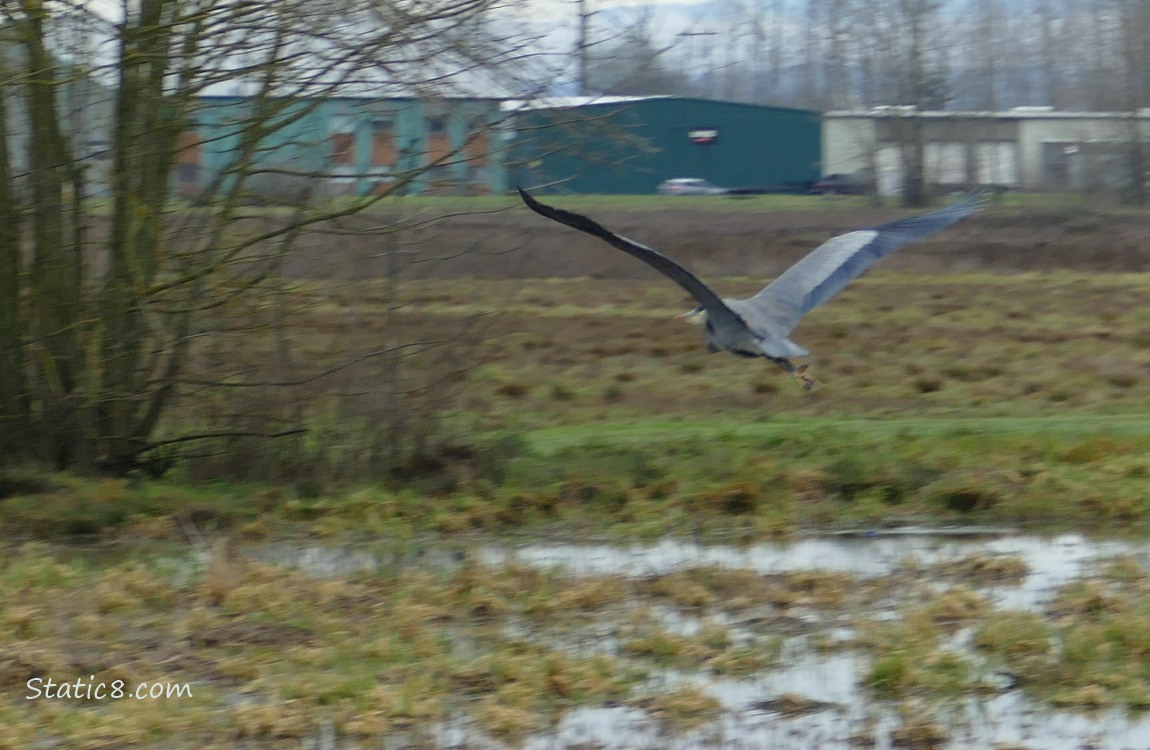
1135,66
1060,56
609,46
769,50
632,67
985,54
904,61
583,46
14,401
100,320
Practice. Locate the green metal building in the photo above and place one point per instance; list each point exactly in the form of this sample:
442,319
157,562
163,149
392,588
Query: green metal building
628,145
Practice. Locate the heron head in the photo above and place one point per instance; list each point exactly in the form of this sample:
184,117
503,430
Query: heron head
698,316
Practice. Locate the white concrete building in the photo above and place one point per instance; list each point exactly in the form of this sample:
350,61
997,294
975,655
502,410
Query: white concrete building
1027,148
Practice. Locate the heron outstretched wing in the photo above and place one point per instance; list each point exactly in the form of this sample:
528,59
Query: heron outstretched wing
831,266
717,311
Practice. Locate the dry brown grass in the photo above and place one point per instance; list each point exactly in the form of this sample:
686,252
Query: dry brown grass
1071,352
918,333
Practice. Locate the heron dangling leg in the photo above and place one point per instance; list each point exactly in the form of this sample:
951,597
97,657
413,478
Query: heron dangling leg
806,381
801,374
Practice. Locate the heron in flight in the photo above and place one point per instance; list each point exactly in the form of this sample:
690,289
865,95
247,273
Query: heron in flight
759,326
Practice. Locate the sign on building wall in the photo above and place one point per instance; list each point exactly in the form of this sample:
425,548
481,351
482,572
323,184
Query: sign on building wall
703,136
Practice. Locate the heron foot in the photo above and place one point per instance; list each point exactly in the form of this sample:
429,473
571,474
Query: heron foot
805,380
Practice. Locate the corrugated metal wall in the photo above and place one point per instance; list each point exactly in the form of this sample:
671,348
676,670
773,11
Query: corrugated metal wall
629,148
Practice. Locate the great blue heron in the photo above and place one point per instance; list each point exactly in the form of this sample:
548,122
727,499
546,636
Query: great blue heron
758,326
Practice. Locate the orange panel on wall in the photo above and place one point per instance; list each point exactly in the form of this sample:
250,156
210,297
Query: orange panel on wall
342,151
188,147
382,148
438,146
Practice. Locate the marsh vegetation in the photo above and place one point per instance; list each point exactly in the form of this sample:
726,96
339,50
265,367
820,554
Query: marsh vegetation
310,590
903,640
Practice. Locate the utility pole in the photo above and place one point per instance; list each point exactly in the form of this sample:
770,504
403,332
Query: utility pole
581,44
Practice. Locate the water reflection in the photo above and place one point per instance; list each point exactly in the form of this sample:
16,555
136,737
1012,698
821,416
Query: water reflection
976,722
981,721
1052,561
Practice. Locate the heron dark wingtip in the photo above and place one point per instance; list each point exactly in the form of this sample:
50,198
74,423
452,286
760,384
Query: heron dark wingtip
531,202
684,278
576,221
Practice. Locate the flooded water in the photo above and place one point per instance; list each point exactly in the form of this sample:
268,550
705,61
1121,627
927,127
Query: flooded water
846,714
833,678
1052,561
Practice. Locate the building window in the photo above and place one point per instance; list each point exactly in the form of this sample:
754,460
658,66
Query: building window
437,124
342,140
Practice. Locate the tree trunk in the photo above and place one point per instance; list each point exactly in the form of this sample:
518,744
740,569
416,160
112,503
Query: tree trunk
56,272
14,417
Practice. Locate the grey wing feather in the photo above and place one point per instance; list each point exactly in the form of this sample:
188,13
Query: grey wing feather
820,275
716,309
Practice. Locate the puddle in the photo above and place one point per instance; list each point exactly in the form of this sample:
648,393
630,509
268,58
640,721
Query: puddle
1007,720
973,722
969,721
1004,722
1052,561
868,556
330,562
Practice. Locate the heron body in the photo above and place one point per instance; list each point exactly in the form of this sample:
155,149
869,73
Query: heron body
760,326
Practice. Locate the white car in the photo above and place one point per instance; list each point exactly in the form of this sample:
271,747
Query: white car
690,186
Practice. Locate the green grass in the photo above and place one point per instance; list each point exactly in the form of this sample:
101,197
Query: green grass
448,205
999,398
663,431
972,396
654,477
584,412
436,207
486,203
703,203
